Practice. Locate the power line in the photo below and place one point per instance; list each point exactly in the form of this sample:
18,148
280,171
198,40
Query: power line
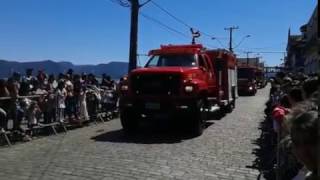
266,52
123,4
170,28
221,44
271,52
178,19
183,22
171,15
164,25
236,46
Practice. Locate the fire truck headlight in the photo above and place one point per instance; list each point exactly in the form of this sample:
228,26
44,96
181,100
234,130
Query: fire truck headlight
250,88
124,87
188,88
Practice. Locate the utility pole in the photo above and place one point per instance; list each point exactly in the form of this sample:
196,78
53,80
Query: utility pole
133,35
230,29
135,6
248,52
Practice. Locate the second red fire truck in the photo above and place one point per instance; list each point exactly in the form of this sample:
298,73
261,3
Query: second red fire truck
179,82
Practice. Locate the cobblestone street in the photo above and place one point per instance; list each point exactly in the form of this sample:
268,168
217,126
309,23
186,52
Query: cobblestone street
98,152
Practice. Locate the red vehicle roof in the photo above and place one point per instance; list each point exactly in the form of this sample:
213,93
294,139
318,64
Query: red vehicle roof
177,49
194,49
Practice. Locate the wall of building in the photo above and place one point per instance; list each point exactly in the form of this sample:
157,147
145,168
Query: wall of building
303,50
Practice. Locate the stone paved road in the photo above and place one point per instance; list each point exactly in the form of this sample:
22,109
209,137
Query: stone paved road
100,152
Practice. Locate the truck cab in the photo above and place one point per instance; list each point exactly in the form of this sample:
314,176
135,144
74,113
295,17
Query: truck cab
179,82
247,80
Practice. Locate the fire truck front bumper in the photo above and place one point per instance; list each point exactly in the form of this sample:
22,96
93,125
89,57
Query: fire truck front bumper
158,107
247,89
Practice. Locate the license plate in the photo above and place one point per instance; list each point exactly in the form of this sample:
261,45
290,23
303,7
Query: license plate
153,106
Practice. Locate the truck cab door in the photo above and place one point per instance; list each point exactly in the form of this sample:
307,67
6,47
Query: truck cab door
212,77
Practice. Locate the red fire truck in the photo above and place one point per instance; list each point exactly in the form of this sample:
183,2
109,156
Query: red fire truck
247,79
179,82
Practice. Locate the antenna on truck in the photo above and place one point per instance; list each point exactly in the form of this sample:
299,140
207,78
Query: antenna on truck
195,34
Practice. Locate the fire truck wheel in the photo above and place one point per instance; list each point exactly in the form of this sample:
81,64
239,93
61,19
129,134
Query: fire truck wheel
199,118
128,121
253,93
228,108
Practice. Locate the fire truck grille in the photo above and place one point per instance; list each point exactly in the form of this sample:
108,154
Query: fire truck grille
156,84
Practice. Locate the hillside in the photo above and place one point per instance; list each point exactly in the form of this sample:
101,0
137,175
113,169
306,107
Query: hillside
114,69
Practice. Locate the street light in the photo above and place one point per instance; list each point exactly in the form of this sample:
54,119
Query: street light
243,38
216,38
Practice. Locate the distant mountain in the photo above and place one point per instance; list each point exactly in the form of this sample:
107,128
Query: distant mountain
114,69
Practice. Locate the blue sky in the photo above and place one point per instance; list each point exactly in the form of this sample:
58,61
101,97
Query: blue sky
97,31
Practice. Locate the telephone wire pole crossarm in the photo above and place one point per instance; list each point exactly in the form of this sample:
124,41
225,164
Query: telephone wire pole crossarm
230,29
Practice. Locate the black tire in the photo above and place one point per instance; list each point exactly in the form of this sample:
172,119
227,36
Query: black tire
129,122
228,108
198,121
233,103
253,93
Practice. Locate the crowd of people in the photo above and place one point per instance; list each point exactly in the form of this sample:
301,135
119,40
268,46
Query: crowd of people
72,98
293,108
66,98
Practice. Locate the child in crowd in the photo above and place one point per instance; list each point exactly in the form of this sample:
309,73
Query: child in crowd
32,113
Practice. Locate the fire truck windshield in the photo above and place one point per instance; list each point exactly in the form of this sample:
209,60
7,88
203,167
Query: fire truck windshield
172,60
246,73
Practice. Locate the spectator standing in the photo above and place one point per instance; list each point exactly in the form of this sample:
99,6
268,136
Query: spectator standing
107,82
70,101
3,120
27,83
77,90
92,80
41,78
61,95
295,96
16,112
304,136
4,105
83,104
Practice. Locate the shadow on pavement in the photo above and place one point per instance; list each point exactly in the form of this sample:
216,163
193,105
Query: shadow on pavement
265,154
153,135
217,116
